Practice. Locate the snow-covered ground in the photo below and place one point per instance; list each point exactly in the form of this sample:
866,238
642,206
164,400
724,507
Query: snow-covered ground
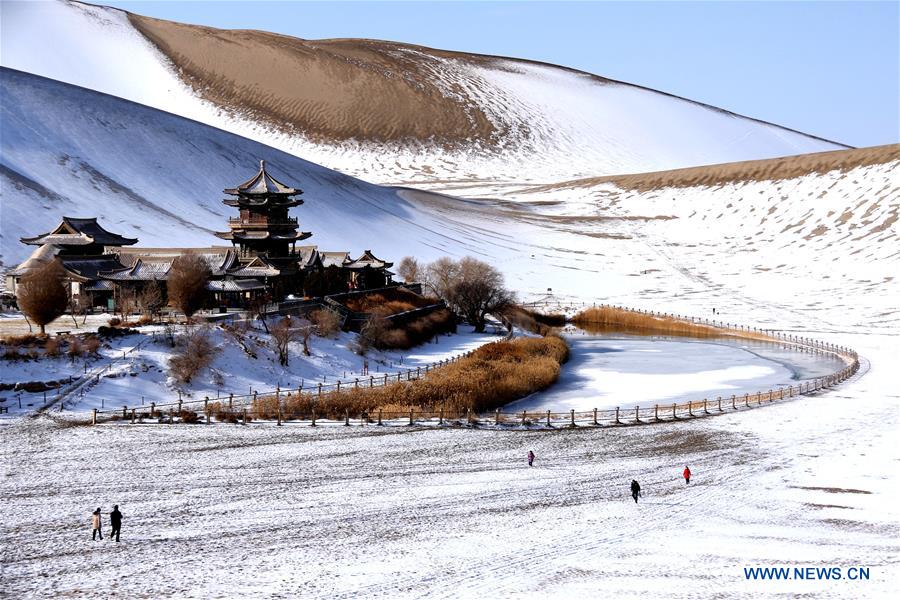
263,511
133,370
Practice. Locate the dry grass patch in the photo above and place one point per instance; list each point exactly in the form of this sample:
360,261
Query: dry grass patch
609,319
494,375
388,302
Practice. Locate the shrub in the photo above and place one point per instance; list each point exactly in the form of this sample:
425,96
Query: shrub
327,322
196,353
189,416
42,294
92,345
75,349
114,322
388,302
187,283
51,347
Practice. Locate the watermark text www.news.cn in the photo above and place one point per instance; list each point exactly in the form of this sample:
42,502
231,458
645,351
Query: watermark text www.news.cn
806,573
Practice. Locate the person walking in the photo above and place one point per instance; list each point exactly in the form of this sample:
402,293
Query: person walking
95,524
115,521
687,475
530,458
635,490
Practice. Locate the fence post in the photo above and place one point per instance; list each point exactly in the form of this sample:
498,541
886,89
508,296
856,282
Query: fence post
770,395
747,400
733,407
230,400
758,400
94,417
637,414
313,424
497,417
674,407
618,422
278,401
655,412
720,403
690,408
441,416
548,418
379,416
179,407
371,381
124,412
132,416
320,390
152,409
346,417
206,409
524,417
595,417
705,406
572,417
338,388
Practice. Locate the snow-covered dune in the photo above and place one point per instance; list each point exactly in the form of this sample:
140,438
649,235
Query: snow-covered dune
818,240
385,111
159,177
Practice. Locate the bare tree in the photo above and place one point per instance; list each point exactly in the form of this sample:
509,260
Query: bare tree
187,283
257,307
75,306
151,299
410,270
288,330
473,288
442,275
42,294
127,302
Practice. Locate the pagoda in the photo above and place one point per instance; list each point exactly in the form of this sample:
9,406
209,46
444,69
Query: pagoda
264,230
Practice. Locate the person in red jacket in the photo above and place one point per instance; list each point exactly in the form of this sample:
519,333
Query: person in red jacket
687,475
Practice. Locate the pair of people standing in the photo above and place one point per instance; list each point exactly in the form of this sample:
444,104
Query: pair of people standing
115,521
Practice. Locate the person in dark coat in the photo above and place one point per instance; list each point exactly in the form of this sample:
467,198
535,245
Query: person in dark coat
635,490
687,475
115,520
530,458
95,524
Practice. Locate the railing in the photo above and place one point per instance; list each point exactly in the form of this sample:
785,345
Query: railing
241,408
262,223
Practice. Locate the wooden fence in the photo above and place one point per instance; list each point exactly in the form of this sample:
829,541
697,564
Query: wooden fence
241,408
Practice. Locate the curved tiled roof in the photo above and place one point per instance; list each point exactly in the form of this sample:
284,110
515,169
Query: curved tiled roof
80,232
263,184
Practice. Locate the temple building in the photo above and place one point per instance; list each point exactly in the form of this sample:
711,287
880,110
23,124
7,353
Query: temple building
263,259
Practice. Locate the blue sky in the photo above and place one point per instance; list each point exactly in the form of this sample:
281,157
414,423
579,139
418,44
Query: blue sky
830,69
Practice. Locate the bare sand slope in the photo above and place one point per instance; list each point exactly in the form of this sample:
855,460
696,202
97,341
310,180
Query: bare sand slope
330,90
771,169
356,89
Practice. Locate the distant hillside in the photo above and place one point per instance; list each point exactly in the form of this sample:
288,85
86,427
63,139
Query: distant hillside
387,111
751,170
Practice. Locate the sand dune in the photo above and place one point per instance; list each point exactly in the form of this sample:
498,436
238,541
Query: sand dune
749,170
388,112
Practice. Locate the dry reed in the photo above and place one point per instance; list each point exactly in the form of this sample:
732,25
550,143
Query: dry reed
491,377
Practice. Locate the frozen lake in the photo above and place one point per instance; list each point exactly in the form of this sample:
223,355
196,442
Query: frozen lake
610,371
